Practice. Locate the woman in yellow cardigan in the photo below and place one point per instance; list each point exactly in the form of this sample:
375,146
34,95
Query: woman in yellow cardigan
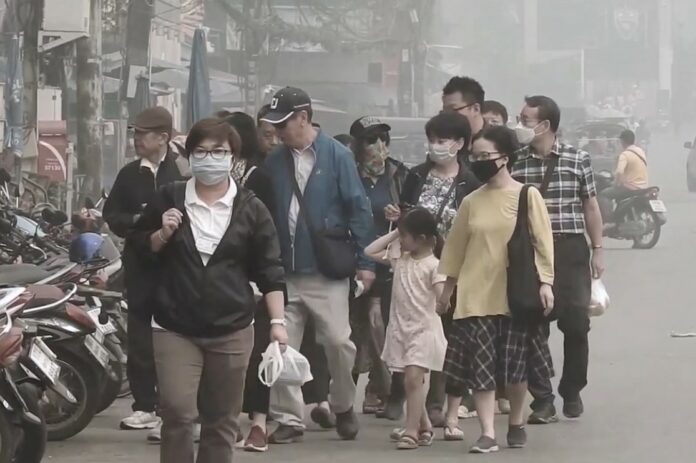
486,346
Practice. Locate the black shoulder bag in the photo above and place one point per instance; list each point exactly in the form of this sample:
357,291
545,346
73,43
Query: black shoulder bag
523,279
334,250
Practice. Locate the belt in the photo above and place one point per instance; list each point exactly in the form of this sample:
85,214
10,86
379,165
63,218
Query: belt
567,236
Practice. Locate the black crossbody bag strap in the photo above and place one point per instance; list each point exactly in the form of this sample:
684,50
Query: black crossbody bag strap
438,217
550,168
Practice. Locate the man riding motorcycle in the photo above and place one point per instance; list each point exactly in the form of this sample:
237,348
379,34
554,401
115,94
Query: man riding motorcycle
631,175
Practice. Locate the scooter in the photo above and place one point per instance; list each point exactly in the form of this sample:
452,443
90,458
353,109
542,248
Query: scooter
638,217
29,373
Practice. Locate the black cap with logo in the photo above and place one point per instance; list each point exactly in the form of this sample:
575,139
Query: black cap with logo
365,124
285,103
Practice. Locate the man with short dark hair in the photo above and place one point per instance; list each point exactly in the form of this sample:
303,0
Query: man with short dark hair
465,96
317,189
494,113
268,138
631,174
133,188
566,180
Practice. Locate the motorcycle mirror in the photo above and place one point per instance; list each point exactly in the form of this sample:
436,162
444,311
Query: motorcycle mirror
5,226
58,218
5,177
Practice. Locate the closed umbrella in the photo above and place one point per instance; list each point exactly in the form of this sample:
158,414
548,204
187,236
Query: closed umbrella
14,85
143,97
198,104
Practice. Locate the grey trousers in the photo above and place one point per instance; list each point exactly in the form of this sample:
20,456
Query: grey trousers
326,301
201,377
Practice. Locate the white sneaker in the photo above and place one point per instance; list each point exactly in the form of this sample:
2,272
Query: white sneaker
141,420
156,434
504,406
465,413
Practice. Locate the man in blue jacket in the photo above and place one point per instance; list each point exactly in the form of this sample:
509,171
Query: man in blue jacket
333,199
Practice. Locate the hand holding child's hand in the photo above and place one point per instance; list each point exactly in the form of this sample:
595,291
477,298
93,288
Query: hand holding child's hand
442,306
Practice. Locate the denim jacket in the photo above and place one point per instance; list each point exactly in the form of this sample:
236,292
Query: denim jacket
334,197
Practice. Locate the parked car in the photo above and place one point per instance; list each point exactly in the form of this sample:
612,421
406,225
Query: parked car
691,166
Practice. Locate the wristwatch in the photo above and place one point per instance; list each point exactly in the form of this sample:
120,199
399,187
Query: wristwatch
278,321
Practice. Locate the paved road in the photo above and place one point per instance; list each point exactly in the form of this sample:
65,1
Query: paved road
640,405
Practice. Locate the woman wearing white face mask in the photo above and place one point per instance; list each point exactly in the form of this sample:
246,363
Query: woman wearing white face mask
210,239
439,185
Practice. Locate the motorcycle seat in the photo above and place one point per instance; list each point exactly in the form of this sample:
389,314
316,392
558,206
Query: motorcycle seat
21,274
43,295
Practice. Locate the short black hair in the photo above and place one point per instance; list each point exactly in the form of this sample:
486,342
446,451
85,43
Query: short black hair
450,125
246,128
628,137
213,128
263,112
548,110
471,90
344,139
495,107
504,139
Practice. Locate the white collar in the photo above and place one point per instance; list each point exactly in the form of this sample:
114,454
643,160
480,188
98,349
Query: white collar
144,162
309,148
192,198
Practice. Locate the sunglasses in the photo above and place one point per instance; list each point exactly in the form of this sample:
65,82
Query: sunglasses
372,138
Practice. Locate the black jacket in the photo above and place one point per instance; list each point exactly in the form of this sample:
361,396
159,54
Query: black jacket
259,182
215,299
413,187
133,188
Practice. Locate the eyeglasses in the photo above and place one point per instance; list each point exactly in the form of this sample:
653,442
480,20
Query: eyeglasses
217,153
456,109
523,121
484,156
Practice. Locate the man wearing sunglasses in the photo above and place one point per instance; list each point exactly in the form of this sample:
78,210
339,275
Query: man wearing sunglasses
383,178
317,192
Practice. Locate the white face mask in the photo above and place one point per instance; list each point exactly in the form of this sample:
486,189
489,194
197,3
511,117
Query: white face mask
443,152
526,135
211,171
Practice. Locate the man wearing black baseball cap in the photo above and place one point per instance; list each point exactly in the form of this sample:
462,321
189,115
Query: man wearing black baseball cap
331,199
133,188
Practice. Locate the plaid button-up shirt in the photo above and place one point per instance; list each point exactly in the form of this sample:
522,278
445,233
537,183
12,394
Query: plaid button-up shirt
571,183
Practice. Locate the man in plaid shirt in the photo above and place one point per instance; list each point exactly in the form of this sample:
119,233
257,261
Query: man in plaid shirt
571,199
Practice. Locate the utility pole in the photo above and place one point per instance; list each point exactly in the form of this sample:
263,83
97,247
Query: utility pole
89,104
30,65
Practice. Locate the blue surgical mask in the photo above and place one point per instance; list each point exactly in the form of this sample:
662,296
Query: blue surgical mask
210,171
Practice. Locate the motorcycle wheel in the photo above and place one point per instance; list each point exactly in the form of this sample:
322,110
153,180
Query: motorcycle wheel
64,420
8,439
649,240
32,445
111,388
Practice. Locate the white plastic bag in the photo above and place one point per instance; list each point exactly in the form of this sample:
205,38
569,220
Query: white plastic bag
289,368
599,302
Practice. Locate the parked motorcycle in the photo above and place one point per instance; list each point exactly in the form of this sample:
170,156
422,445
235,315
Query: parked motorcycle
639,217
29,373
